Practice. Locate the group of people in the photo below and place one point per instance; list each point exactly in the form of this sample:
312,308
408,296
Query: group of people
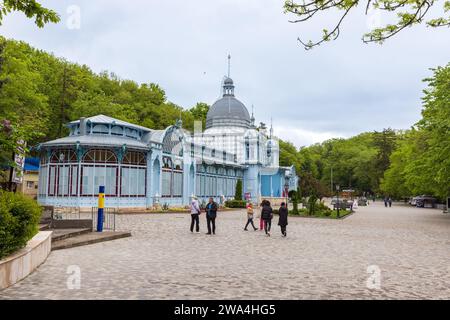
265,222
266,216
387,201
211,214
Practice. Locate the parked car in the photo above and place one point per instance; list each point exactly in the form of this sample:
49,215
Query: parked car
425,201
413,201
342,203
362,201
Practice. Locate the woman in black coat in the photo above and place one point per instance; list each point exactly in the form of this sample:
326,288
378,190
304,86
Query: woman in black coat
283,219
267,215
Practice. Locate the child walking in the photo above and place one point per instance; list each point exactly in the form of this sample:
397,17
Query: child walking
250,217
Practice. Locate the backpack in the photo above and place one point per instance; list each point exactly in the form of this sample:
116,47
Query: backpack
266,213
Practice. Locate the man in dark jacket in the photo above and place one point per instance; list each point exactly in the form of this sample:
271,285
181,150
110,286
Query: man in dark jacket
283,219
267,215
211,214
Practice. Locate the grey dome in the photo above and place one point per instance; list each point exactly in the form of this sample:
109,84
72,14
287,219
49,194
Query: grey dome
228,111
228,81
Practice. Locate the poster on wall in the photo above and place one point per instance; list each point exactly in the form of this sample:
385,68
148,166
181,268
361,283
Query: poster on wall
248,196
19,161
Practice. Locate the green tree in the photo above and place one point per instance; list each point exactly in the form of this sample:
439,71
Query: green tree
421,163
31,8
199,112
238,193
409,13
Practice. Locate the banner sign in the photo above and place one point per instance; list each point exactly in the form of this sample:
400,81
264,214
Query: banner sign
19,161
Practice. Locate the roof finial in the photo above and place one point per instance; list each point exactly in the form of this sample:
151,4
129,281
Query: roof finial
229,64
271,128
252,119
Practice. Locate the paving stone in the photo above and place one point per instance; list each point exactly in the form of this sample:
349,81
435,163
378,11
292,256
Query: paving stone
320,259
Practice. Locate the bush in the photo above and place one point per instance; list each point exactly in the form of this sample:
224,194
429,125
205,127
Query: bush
312,205
235,204
19,220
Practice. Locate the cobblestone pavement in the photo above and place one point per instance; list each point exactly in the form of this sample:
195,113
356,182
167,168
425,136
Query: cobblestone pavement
320,259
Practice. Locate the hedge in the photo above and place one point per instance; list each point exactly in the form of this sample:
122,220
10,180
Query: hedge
19,221
236,204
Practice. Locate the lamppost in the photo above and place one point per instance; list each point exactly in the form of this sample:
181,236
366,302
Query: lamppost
286,188
337,199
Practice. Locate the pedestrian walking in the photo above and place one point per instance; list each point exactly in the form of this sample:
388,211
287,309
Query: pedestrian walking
390,202
267,215
261,220
250,217
211,214
385,202
195,213
283,219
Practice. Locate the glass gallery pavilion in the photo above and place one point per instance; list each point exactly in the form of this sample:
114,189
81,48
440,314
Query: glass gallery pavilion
139,166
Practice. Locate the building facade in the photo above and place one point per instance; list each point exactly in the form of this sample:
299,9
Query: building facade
141,167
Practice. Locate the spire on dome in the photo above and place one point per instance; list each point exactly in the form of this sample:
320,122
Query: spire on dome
229,64
252,119
271,128
228,85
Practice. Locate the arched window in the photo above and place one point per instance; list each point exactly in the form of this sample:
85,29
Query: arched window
99,168
131,133
63,156
117,131
134,158
100,156
61,175
100,128
172,142
172,177
247,149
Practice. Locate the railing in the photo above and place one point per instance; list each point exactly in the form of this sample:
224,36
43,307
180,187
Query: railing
66,213
109,218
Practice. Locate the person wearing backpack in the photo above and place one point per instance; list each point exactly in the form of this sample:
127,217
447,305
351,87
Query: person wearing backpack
250,217
267,215
283,219
211,214
195,213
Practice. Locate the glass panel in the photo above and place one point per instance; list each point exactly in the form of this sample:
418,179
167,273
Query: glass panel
52,177
197,185
166,181
87,181
111,181
125,182
99,178
74,180
63,181
141,181
177,184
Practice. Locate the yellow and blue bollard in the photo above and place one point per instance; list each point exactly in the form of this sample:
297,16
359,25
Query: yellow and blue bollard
101,206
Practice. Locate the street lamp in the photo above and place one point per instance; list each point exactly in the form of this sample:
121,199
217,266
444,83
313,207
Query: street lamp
286,189
337,199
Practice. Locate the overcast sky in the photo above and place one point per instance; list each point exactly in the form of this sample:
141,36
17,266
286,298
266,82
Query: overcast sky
339,89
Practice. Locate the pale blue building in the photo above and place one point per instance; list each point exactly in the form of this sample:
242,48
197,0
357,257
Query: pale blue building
140,167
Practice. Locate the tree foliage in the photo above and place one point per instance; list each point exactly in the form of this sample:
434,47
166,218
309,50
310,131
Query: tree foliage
421,162
40,93
356,163
409,13
31,8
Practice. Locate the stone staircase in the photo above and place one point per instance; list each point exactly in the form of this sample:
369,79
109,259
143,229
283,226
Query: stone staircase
76,232
82,237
